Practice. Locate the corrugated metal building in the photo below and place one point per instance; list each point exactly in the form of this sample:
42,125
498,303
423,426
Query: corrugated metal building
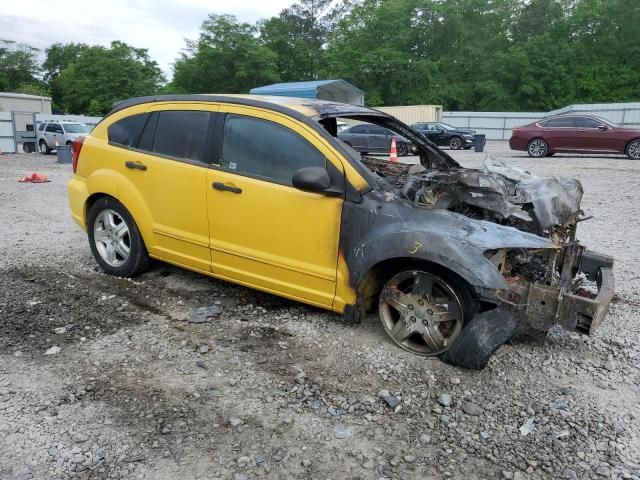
415,113
333,90
20,102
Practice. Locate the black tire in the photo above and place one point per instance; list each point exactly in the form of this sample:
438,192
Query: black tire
403,149
455,143
44,148
137,260
69,143
27,148
550,154
537,148
481,338
633,149
468,148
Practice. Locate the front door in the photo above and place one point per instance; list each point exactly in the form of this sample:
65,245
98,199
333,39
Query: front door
264,232
167,166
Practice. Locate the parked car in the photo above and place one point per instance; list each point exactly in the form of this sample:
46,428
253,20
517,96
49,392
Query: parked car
260,192
443,134
367,138
575,134
53,133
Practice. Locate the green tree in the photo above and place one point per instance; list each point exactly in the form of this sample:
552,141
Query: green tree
298,36
101,76
18,65
228,57
58,57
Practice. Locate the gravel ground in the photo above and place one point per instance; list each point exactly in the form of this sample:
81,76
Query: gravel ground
272,389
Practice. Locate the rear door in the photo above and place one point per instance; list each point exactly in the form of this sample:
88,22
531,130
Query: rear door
560,133
379,138
357,136
592,134
53,135
167,163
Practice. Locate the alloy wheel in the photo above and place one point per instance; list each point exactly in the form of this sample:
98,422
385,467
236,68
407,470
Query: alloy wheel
43,148
537,148
421,312
634,150
112,238
455,143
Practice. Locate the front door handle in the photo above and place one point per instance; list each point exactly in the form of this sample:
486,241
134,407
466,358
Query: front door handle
136,165
226,188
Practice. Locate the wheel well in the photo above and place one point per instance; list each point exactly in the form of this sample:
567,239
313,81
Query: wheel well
629,143
538,138
372,282
92,200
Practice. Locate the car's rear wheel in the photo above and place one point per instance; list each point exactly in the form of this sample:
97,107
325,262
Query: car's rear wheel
537,148
421,311
69,143
633,149
403,149
115,240
44,148
455,143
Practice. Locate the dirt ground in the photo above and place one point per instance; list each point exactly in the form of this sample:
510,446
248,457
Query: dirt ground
272,389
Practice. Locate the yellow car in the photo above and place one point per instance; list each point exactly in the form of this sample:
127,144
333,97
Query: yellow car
261,192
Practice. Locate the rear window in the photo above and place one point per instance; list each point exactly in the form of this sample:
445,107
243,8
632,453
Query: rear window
124,131
181,134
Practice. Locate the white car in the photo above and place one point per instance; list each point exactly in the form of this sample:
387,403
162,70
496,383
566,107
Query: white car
53,133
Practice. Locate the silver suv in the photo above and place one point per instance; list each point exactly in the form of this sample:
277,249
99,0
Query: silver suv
53,133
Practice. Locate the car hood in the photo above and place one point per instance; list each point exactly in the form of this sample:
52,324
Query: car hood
497,192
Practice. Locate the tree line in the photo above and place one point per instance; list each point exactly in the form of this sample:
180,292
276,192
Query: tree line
500,55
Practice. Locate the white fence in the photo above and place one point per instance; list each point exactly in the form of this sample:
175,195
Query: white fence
498,125
15,126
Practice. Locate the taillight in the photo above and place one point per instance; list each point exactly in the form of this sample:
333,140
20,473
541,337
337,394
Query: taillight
75,152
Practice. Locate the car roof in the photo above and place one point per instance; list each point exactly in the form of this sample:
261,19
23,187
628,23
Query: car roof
311,108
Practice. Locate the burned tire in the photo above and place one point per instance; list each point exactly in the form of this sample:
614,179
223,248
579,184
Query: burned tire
481,338
424,310
115,240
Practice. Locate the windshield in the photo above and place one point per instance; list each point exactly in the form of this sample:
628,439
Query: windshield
76,128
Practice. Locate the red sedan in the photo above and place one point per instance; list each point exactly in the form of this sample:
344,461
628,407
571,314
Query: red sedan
575,134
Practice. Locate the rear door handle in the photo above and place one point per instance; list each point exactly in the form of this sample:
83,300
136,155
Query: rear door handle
135,165
226,188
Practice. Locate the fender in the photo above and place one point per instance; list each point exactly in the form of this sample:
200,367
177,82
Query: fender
384,227
113,183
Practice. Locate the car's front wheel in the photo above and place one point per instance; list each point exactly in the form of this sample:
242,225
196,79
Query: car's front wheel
455,143
421,311
537,148
633,149
115,240
44,148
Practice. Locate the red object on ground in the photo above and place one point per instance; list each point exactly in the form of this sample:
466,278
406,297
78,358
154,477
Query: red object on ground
35,178
393,153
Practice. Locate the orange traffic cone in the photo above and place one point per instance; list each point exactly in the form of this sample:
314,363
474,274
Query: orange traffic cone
393,153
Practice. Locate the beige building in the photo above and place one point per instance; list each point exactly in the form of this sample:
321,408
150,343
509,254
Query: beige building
20,102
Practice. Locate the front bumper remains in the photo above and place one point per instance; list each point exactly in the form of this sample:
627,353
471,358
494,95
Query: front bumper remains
575,308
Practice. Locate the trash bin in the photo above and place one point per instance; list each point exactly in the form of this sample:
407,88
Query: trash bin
479,141
64,153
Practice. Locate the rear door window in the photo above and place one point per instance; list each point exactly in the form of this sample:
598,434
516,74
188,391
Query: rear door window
358,129
586,122
266,150
560,122
124,131
375,130
181,134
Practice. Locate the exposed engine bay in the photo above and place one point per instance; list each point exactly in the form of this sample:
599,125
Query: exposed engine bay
546,285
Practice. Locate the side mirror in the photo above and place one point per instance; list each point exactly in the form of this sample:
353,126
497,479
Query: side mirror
603,128
311,179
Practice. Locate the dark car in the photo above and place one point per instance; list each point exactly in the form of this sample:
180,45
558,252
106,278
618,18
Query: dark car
367,138
575,134
443,134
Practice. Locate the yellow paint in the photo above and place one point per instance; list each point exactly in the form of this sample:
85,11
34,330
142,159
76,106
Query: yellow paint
272,237
417,246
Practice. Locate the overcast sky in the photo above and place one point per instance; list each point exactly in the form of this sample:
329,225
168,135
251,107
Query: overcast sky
158,25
